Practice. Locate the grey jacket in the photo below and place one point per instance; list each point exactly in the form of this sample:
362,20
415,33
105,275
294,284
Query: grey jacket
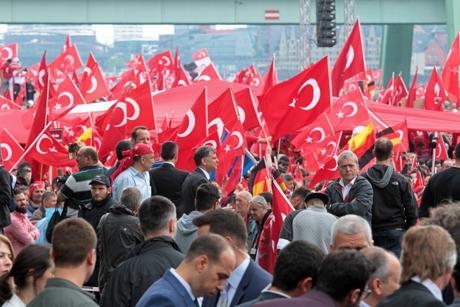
359,199
186,230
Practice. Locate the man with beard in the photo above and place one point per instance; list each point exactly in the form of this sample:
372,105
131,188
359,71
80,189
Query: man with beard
21,232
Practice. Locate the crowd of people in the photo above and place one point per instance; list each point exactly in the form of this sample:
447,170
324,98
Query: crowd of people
145,233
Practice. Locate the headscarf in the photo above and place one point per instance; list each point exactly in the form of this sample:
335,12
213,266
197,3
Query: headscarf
36,185
140,149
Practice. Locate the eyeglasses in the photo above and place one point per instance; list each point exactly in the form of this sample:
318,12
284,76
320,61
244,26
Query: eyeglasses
366,292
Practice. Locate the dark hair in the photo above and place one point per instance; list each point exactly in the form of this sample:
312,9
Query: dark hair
207,195
211,245
72,240
343,271
382,149
122,146
202,152
131,198
168,150
268,197
22,190
457,152
90,152
297,261
456,275
225,223
135,130
33,261
302,192
47,195
155,213
283,158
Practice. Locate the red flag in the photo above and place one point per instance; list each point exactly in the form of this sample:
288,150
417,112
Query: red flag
222,112
41,115
388,95
270,78
350,61
194,126
450,77
42,70
440,150
314,134
68,96
159,62
233,147
295,103
247,109
412,91
69,59
6,104
139,104
116,130
209,73
127,80
47,150
11,151
348,112
281,207
327,171
435,94
8,52
400,90
93,85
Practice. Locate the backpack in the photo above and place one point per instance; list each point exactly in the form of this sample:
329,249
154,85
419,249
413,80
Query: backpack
55,219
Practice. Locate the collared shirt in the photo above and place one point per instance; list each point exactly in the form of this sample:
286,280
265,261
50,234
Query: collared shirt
21,231
430,285
14,301
234,280
131,177
169,162
206,173
346,188
183,283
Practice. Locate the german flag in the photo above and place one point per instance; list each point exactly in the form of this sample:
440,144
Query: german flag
259,180
363,141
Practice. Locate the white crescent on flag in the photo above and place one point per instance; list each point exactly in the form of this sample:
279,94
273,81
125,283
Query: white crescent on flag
353,106
9,152
316,95
191,124
322,133
136,109
93,85
219,124
350,57
240,139
122,107
69,96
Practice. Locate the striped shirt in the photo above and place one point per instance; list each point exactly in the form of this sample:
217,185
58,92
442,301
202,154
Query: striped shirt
77,190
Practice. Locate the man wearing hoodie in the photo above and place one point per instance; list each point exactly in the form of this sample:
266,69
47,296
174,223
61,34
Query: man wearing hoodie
394,207
207,198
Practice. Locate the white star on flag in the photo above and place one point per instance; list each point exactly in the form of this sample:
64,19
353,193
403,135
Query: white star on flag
57,107
309,140
340,114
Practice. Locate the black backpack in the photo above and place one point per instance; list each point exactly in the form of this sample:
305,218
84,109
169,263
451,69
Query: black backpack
55,219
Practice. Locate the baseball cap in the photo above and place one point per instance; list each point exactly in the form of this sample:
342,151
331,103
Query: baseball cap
101,179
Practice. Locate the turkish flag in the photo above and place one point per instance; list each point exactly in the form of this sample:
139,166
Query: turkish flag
92,84
221,113
270,78
127,80
247,109
41,115
6,104
388,95
348,112
350,61
440,150
327,171
42,71
412,91
8,52
181,78
232,147
159,62
47,150
209,73
68,60
67,97
194,126
313,134
281,207
435,94
116,130
295,103
73,128
450,71
139,107
400,90
252,78
11,150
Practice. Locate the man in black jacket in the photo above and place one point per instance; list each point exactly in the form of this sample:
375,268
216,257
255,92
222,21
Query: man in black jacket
6,198
352,193
206,161
166,180
394,208
92,212
442,187
118,233
150,259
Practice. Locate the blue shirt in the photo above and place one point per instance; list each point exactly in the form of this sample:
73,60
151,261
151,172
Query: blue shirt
131,178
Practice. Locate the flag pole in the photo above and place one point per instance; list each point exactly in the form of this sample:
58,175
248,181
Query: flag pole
31,145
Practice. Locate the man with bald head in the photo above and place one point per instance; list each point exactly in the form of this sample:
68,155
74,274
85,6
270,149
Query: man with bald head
76,191
351,232
242,203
